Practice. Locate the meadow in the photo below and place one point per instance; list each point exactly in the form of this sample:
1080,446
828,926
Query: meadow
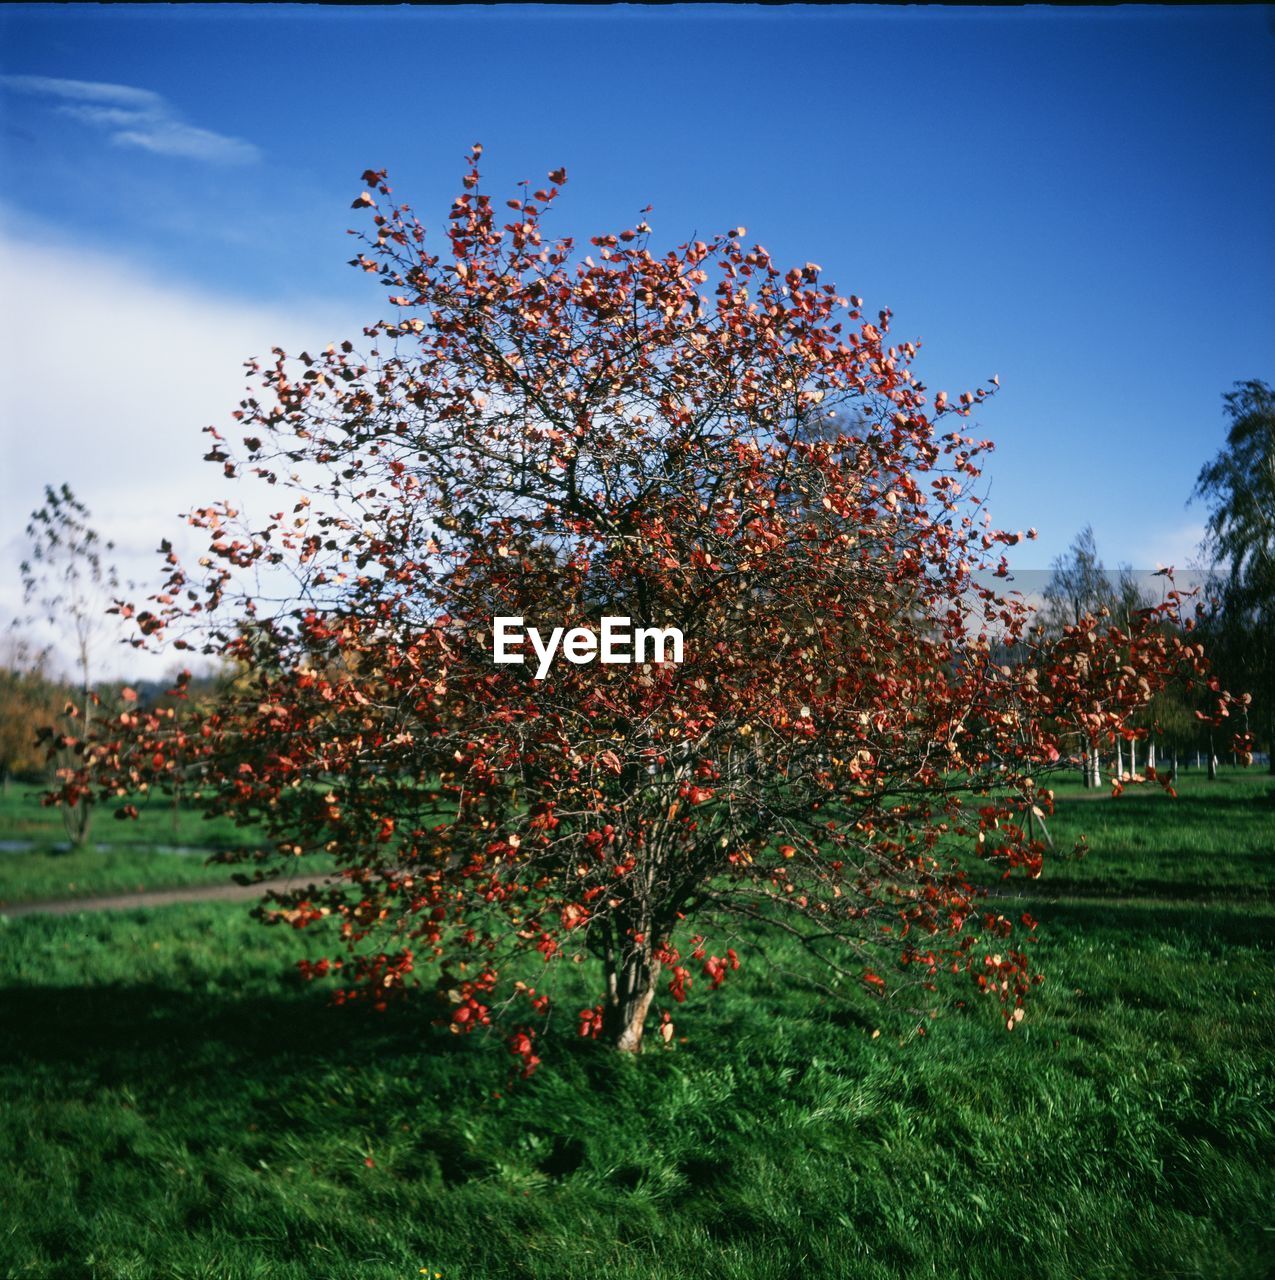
177,1103
163,849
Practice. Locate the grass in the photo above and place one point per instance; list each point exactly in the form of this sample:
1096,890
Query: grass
160,850
23,817
178,1104
1215,840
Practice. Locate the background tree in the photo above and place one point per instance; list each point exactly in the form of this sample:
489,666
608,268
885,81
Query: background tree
30,701
1126,600
71,583
1177,731
1239,485
647,436
1079,585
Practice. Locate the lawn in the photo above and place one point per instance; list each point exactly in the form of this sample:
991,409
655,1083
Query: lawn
162,849
177,1104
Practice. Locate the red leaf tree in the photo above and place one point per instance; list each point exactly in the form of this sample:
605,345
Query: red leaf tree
694,439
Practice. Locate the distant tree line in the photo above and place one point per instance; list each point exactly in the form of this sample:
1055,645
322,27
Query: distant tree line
1239,486
1235,614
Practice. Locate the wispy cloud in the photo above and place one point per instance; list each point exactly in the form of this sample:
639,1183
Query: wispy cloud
133,117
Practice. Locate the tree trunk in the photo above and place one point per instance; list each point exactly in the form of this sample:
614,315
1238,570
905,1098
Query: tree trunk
1151,755
79,819
1212,761
86,822
1119,760
630,990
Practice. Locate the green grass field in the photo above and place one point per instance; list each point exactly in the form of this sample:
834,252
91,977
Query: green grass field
177,1104
160,850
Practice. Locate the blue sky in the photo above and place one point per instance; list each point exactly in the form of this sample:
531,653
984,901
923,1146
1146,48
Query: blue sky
1080,201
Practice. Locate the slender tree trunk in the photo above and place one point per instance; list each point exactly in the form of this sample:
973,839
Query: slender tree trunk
1151,755
1119,759
79,820
1212,761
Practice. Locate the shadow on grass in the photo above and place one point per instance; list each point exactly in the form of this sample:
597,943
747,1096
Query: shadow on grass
1209,925
266,1047
1211,798
1112,886
118,1027
237,1080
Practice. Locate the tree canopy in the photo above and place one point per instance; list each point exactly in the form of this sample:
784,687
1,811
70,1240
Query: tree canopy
1239,485
692,438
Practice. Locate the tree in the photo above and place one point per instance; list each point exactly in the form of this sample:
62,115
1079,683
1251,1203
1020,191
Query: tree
70,582
1079,585
642,437
1239,484
29,702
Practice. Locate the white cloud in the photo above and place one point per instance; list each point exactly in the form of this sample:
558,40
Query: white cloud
171,138
120,95
134,117
1164,545
107,377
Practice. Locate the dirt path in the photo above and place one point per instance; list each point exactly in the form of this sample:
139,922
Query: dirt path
149,898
